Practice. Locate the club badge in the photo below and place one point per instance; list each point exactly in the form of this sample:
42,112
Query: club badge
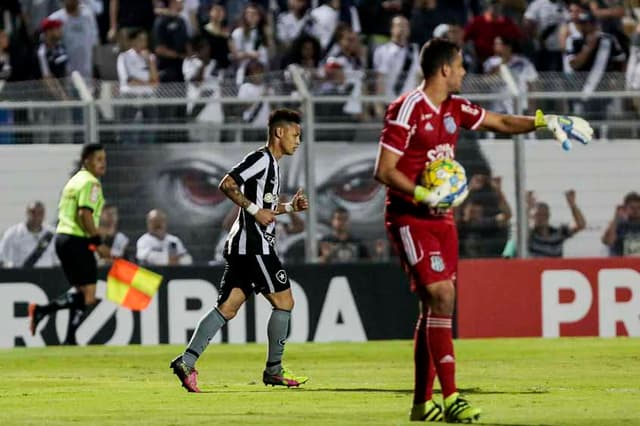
450,124
437,264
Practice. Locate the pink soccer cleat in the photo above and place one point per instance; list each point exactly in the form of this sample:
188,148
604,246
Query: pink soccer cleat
188,376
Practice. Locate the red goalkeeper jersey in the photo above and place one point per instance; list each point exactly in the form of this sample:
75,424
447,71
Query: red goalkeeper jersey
420,132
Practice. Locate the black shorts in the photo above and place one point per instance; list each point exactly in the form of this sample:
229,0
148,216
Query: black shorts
78,262
253,273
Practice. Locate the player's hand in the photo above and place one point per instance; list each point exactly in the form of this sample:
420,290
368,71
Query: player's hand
440,197
565,128
265,216
299,201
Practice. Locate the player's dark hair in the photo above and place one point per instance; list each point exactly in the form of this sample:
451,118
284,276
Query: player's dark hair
283,115
435,53
89,149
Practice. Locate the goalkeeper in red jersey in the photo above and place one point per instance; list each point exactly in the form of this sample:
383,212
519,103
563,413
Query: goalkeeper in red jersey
422,126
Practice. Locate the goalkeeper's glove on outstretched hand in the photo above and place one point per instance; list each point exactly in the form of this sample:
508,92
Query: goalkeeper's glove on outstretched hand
441,196
565,128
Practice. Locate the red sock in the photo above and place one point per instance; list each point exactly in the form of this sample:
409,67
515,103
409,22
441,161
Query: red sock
424,372
441,346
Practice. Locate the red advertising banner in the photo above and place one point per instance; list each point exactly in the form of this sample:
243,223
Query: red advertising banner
549,297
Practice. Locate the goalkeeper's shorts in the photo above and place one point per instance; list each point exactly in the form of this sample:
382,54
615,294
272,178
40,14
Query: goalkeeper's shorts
428,249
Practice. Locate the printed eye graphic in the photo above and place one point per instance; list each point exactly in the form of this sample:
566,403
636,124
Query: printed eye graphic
193,181
354,184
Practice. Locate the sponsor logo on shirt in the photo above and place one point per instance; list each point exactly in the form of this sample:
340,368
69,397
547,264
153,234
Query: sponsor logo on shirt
440,151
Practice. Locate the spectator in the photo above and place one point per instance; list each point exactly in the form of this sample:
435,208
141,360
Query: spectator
250,40
305,51
610,14
28,244
294,23
216,34
594,52
52,63
202,75
111,236
340,246
34,11
79,35
127,14
425,17
189,15
484,225
376,16
542,22
622,235
254,89
138,74
483,29
157,247
396,63
632,77
325,21
546,240
170,37
520,66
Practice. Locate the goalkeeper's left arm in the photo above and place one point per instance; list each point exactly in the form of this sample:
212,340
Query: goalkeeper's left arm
564,128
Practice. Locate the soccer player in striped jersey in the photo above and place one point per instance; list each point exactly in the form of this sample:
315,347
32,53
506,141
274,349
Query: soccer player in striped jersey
422,126
252,264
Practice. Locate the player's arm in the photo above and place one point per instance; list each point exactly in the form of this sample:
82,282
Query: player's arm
231,189
387,173
506,123
298,203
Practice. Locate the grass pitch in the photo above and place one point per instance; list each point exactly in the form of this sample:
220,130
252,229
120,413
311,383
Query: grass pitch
515,381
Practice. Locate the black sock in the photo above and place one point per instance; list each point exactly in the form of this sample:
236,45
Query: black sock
64,301
76,316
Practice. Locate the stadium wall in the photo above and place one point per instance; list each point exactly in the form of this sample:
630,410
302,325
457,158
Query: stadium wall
340,303
549,298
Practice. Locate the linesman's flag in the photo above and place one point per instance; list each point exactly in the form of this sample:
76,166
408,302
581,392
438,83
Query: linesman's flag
130,285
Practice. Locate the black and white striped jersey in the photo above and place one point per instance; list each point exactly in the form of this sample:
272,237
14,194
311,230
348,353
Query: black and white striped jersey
258,176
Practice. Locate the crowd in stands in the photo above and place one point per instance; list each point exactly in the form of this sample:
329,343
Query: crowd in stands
144,42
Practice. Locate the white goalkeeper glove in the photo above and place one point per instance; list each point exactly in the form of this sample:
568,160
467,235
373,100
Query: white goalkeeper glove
565,128
441,197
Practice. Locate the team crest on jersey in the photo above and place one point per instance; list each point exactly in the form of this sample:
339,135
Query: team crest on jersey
450,124
281,276
269,197
437,264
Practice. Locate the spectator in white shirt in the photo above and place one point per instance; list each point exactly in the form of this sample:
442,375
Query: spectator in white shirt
138,75
79,35
396,62
520,66
108,230
201,73
250,40
29,244
295,22
157,246
254,89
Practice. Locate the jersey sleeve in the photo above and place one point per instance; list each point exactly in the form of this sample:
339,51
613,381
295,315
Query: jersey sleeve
397,128
252,165
90,195
471,115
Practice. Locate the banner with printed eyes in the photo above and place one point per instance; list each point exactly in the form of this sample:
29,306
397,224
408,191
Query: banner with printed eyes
182,180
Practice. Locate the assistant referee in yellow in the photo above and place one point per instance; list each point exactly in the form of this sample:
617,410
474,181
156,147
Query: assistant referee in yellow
76,240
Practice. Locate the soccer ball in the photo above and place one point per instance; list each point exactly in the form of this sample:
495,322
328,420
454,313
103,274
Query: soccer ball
446,170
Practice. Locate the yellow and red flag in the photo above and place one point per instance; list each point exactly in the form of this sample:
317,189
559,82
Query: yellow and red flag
130,285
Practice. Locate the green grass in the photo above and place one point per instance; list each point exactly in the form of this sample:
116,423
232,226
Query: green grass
515,381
